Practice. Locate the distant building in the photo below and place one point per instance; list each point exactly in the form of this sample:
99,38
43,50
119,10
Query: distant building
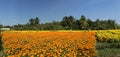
5,29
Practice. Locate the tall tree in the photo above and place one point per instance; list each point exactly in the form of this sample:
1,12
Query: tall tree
68,22
77,25
31,21
111,24
90,22
71,22
97,24
102,25
34,23
37,24
64,21
37,21
83,23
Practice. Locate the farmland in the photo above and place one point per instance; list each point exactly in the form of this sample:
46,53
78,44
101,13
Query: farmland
49,44
59,28
79,43
108,43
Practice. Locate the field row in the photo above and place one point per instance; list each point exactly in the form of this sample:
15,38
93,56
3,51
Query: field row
49,44
108,36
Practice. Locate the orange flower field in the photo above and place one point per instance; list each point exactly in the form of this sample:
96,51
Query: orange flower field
49,44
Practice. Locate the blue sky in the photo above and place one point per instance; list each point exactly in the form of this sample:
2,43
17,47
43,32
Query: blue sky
20,11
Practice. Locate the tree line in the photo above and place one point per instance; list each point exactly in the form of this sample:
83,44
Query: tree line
67,23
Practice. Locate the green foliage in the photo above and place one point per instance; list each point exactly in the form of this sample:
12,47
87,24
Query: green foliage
109,52
67,23
1,26
90,22
103,45
108,49
83,23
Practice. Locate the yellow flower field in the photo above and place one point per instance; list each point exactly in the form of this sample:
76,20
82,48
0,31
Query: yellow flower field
108,35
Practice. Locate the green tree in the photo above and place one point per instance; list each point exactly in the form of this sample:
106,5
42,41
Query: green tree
37,21
103,25
72,22
111,24
47,26
31,21
64,21
77,25
56,25
97,24
83,23
1,26
90,22
68,22
34,23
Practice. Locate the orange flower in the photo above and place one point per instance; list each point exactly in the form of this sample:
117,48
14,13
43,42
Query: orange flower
42,44
41,55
